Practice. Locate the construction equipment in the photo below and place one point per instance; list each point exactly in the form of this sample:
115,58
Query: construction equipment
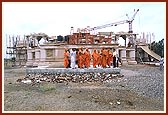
129,21
84,33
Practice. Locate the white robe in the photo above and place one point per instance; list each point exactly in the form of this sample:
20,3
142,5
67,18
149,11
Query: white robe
73,58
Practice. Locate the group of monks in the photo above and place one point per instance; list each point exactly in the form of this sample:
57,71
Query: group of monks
102,58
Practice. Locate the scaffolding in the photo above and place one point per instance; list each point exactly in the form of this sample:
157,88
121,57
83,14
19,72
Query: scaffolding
16,50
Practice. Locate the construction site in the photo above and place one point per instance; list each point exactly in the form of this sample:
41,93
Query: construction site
35,78
39,49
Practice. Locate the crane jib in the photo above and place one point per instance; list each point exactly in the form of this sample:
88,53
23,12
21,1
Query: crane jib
117,23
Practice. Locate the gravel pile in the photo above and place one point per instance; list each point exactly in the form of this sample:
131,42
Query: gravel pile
69,77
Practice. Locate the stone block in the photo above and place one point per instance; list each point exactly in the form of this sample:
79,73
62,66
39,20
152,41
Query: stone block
69,70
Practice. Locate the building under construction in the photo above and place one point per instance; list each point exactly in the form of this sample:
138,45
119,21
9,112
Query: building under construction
43,50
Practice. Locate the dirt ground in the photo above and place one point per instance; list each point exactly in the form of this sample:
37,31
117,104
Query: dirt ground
91,96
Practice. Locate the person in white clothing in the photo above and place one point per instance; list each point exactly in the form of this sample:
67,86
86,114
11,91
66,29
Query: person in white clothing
73,58
161,62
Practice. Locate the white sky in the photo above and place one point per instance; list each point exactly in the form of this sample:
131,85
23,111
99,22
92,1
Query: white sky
55,18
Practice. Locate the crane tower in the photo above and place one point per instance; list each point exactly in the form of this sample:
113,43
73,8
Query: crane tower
129,21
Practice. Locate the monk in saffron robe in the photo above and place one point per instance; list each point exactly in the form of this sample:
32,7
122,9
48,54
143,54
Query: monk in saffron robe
109,58
81,58
99,58
104,57
95,58
66,56
87,58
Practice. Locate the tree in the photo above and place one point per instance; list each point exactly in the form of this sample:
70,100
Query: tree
158,47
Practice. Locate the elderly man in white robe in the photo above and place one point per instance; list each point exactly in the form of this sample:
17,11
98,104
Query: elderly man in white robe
73,58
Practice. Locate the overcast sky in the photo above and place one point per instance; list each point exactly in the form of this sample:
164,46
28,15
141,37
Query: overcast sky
57,18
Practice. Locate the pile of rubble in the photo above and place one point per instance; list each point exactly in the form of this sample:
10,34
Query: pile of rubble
69,77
